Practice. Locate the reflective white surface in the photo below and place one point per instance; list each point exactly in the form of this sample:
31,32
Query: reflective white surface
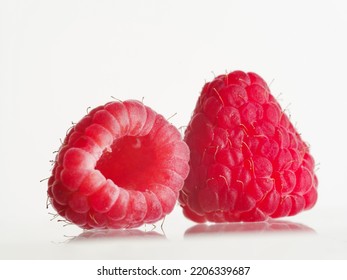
57,58
316,236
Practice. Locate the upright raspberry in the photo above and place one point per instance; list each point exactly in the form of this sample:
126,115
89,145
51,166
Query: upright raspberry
247,161
120,166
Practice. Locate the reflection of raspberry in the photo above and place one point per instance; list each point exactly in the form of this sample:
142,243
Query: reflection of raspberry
121,166
247,160
272,225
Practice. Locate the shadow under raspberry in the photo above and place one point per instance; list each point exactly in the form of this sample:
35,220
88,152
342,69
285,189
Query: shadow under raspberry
270,226
117,234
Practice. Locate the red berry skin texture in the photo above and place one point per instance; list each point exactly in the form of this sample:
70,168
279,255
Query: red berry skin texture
247,161
120,166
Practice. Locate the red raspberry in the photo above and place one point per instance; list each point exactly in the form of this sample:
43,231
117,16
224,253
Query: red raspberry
121,166
247,161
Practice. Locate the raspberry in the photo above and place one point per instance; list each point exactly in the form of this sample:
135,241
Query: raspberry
247,161
120,166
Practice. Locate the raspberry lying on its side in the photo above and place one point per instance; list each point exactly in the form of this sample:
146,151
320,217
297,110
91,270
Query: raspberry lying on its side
247,161
120,166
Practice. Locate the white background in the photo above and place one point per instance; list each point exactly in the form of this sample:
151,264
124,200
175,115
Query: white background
57,58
